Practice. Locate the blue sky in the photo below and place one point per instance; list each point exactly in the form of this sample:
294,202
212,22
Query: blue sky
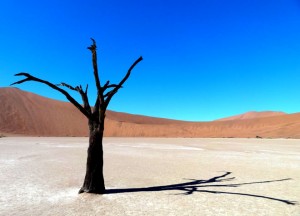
203,59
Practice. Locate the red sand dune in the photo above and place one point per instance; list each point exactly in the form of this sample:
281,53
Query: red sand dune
252,115
24,113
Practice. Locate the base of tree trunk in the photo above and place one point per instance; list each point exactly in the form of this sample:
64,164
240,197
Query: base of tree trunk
94,191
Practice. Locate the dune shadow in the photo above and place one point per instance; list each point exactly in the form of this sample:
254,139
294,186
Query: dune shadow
194,185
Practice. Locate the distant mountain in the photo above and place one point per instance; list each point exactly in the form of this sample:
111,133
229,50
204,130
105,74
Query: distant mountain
27,114
252,115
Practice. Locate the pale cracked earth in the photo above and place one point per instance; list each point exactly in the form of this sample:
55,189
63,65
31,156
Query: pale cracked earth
41,176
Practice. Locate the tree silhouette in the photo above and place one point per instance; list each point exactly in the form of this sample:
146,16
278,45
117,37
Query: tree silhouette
94,180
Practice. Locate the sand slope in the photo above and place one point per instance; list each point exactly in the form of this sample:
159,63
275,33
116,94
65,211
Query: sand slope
26,113
252,115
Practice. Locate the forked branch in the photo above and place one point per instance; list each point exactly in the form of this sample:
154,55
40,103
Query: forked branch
83,94
67,95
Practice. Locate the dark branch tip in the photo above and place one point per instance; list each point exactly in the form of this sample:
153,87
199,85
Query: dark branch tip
93,46
94,42
22,74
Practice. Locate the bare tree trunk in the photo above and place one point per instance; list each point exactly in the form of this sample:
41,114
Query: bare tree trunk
94,181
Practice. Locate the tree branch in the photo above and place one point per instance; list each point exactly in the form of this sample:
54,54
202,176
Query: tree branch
110,86
129,71
86,88
100,98
68,86
93,49
67,95
85,99
96,108
105,86
110,94
83,94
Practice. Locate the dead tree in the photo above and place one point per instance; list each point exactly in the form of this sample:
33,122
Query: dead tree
94,181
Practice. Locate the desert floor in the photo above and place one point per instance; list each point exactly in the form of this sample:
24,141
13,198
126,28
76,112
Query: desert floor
145,176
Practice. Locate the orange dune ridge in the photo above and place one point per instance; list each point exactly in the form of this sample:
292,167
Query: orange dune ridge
25,113
252,115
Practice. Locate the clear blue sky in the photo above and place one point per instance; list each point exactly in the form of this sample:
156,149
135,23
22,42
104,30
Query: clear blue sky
203,59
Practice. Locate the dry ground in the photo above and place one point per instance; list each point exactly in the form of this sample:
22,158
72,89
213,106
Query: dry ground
41,176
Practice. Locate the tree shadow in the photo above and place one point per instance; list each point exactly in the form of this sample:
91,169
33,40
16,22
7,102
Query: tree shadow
194,185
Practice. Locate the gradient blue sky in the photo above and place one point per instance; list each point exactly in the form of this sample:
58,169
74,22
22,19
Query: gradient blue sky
203,59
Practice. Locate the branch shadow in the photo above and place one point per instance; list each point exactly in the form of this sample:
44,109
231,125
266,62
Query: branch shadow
194,185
